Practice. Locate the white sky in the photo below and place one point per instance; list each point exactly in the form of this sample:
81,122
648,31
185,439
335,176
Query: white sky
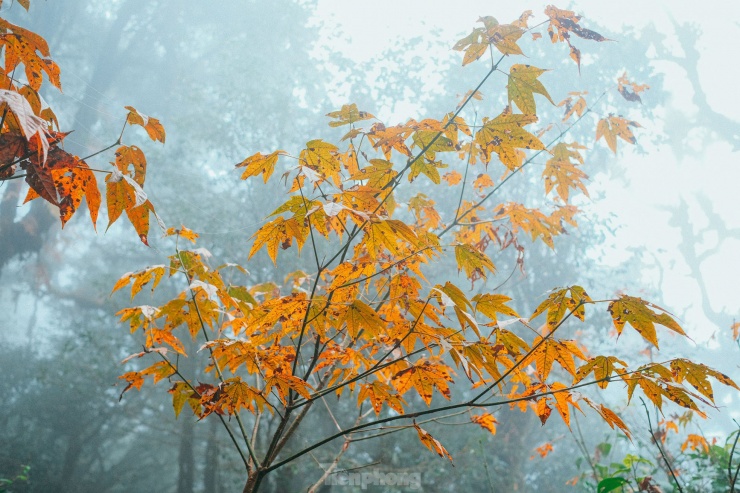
653,181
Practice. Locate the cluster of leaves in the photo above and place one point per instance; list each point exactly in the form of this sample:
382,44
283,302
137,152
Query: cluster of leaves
21,477
31,145
366,322
693,463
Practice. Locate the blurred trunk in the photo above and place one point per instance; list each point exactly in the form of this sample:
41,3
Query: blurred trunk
185,459
25,235
71,457
513,437
211,473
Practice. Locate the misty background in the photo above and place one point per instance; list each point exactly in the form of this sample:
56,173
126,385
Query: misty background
241,77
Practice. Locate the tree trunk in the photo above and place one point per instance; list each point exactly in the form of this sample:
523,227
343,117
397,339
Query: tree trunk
253,482
210,477
185,459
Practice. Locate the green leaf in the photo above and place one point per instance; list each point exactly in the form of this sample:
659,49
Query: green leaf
610,484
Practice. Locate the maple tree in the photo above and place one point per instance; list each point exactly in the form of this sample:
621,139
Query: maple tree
366,324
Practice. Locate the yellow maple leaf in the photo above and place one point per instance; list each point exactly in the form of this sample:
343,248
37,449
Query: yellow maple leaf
523,84
615,126
504,134
638,313
432,443
260,163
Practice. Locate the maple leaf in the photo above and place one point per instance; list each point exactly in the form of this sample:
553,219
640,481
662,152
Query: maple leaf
236,394
124,193
450,295
452,177
474,45
134,157
578,107
284,383
561,301
380,393
431,141
322,157
504,134
565,22
531,221
563,401
562,173
63,180
41,181
153,128
427,217
278,233
638,313
504,37
79,182
349,160
158,371
492,304
387,233
482,182
602,367
615,126
485,421
630,90
260,163
473,261
359,316
558,303
523,19
513,344
432,443
427,168
378,174
543,450
139,217
523,84
32,126
543,410
548,351
183,393
140,279
694,441
348,115
389,138
30,49
183,232
696,375
424,377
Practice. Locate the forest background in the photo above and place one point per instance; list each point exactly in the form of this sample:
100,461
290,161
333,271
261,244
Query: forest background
662,222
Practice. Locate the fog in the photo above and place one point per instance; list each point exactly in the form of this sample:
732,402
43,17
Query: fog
233,78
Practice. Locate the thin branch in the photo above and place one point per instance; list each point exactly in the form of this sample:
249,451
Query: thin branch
657,444
243,430
426,412
223,421
730,476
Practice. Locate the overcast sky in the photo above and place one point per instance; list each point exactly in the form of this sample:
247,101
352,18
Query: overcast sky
655,181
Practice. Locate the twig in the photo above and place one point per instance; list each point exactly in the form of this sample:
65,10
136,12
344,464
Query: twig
657,444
